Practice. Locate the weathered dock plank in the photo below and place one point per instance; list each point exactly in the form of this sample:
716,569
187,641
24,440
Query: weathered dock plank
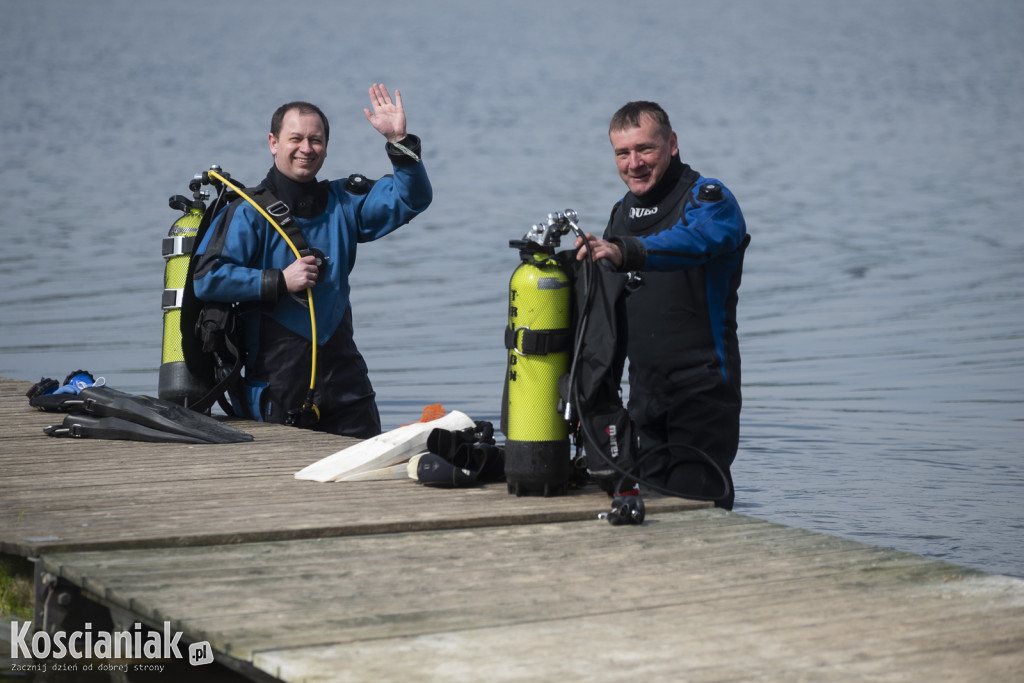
699,596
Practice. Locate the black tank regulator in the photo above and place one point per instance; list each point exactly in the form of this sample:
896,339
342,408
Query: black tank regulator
548,235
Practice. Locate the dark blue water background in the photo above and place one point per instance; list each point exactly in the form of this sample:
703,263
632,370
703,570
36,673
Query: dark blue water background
876,148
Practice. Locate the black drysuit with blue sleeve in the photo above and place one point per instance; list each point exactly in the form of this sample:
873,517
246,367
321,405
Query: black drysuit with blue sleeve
688,237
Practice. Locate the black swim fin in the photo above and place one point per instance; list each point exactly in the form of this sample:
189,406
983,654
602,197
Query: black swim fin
156,414
83,425
433,470
462,457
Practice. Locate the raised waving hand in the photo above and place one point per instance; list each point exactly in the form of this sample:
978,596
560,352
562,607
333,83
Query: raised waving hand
387,117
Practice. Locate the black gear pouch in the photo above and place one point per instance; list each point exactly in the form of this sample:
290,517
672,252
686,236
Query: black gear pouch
608,444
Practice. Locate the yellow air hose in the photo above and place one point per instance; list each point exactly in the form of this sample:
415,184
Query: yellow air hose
309,292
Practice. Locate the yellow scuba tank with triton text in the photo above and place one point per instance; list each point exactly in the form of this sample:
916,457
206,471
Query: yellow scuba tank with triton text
176,383
539,341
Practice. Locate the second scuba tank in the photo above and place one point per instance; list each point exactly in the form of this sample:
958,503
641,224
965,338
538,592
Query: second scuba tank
176,383
539,340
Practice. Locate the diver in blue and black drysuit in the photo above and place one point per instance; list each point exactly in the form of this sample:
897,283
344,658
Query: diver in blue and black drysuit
243,259
687,235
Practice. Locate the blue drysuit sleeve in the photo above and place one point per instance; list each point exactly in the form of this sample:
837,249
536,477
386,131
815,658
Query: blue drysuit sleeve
708,229
393,201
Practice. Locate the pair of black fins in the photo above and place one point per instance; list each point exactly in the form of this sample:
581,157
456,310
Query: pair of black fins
99,412
461,458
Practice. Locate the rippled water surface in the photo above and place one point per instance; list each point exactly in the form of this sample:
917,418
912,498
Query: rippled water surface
875,147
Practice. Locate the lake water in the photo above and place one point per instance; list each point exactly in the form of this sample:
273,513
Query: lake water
875,147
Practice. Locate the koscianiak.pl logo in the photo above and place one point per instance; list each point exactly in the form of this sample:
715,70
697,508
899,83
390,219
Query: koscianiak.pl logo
61,651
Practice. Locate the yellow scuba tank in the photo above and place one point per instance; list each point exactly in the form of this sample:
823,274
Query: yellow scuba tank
539,341
176,383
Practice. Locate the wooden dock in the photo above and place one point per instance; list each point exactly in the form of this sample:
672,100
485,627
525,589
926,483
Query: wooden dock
393,581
